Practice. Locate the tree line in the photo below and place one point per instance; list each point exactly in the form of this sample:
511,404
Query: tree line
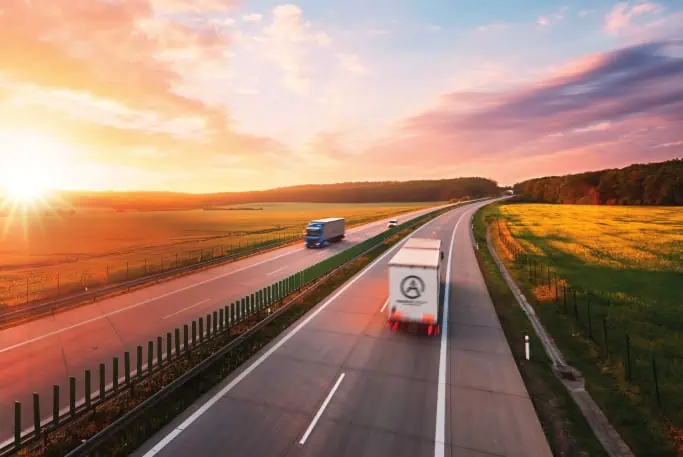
350,192
658,183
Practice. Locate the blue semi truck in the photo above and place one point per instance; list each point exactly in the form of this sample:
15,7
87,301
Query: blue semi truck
321,232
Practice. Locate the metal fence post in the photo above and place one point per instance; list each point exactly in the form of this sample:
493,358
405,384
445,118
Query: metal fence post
72,395
55,404
169,347
126,367
201,329
628,358
215,323
186,338
139,362
115,373
656,379
221,317
87,386
102,379
36,413
160,353
150,356
17,424
208,326
177,342
557,296
194,333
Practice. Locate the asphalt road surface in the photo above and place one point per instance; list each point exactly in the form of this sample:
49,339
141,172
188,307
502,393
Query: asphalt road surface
341,383
38,354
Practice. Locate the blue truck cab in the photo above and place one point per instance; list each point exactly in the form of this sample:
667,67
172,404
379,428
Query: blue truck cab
322,232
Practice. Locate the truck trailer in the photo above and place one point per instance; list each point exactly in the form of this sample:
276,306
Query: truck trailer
415,284
321,232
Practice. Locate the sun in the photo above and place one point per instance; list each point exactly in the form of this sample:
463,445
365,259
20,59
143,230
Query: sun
26,159
25,182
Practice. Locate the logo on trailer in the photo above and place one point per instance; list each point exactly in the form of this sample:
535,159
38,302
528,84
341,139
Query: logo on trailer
412,287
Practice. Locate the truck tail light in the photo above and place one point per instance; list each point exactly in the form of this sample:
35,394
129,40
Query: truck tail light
428,319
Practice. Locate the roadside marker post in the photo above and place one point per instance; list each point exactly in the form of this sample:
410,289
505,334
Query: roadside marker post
527,350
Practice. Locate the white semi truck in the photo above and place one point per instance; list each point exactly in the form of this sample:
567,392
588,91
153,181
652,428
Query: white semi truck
415,284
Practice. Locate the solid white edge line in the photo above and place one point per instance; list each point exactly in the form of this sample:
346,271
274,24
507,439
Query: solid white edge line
384,306
186,308
310,428
158,297
220,394
440,432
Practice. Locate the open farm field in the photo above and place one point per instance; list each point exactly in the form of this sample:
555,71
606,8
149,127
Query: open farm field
621,319
48,255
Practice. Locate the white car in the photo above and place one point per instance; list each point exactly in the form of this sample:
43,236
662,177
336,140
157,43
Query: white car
392,223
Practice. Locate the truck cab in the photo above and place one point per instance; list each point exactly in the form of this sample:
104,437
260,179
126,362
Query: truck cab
392,223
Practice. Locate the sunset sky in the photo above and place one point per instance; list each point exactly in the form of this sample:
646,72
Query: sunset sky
220,95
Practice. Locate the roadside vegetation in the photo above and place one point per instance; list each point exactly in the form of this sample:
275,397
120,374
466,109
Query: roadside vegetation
620,322
567,431
56,255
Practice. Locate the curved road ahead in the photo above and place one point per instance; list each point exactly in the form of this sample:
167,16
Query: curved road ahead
38,354
340,383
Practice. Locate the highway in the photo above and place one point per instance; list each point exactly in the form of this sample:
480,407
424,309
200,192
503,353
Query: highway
38,354
341,383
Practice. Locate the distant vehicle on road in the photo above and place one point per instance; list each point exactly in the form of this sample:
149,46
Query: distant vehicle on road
415,284
322,232
392,223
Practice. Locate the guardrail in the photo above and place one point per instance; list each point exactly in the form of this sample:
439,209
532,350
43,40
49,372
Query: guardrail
194,335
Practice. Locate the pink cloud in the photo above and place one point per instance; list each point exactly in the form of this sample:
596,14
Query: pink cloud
610,109
621,16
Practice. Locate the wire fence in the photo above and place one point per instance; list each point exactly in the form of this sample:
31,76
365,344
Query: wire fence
648,370
81,395
56,284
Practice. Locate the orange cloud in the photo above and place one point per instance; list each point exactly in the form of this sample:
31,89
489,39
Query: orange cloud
111,76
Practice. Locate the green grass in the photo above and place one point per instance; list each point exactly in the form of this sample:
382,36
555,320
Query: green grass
621,259
567,431
95,247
